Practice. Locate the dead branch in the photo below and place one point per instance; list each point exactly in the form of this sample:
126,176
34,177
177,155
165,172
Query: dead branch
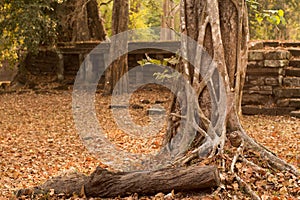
103,183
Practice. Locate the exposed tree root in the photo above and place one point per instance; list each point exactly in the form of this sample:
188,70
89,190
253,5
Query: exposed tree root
274,161
265,153
241,182
253,165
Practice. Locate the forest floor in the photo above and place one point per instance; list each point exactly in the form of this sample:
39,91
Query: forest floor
38,140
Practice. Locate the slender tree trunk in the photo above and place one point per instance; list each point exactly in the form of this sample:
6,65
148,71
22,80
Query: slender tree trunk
117,71
168,20
95,22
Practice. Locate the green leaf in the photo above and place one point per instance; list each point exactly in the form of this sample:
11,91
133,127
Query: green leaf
280,13
259,18
277,20
283,21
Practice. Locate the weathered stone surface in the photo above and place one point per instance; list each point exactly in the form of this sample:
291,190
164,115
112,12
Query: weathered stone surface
272,81
287,92
276,63
290,44
256,80
156,111
255,63
295,63
255,110
296,113
290,71
261,90
291,81
271,43
295,103
294,51
265,70
277,55
256,55
283,102
118,106
256,99
255,45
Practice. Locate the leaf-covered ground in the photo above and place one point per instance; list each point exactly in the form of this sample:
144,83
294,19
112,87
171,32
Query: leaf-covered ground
38,140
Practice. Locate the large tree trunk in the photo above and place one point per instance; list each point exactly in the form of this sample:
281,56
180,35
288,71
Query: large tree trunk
205,113
119,66
205,108
103,183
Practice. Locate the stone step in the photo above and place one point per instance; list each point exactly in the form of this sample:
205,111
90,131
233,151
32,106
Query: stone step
291,81
156,111
295,51
291,71
295,62
4,84
290,44
259,110
271,43
295,113
295,103
287,92
255,71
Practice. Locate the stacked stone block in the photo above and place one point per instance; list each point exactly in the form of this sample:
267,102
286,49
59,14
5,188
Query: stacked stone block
272,84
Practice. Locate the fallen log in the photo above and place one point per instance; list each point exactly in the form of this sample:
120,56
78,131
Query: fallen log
103,183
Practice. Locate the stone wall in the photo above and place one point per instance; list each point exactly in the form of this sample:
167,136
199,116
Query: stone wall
272,84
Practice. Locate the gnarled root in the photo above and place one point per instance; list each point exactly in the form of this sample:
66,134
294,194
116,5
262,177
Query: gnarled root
241,182
269,156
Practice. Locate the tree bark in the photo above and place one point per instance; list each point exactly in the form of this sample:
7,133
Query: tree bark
220,27
119,66
103,183
79,20
95,22
168,20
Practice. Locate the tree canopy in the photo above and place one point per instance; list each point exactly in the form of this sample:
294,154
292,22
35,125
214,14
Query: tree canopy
274,19
25,25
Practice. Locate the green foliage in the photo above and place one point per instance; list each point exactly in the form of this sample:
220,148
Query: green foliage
174,60
142,15
105,7
24,26
166,74
272,19
292,15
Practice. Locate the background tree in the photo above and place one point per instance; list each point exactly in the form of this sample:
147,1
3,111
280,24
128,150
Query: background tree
169,18
274,19
28,26
142,15
119,67
79,21
24,26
